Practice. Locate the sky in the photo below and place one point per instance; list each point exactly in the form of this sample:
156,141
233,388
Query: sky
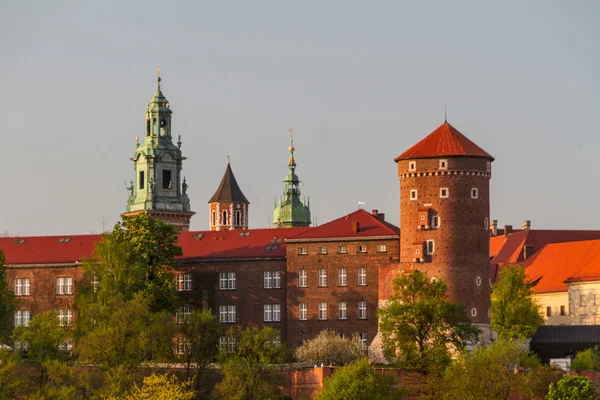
361,81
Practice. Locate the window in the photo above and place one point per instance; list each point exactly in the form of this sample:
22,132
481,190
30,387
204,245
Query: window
238,217
443,164
342,311
183,346
227,314
227,280
362,248
65,317
64,285
342,249
272,312
548,311
303,311
183,315
363,342
141,181
474,193
362,276
362,310
435,221
486,224
322,250
214,218
412,165
183,282
444,193
342,277
22,317
473,312
562,310
302,278
166,179
382,248
430,247
582,300
22,287
227,343
489,166
322,277
224,220
322,311
95,282
66,346
272,279
478,281
413,194
302,251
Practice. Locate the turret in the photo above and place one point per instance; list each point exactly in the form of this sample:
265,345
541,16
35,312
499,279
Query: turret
228,207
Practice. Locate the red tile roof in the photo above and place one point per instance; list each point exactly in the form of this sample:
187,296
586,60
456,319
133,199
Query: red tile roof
444,141
368,225
559,262
48,249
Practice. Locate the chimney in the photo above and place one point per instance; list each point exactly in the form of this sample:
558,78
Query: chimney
494,227
507,230
355,227
378,215
526,225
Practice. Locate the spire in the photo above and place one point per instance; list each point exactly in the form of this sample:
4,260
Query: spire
292,161
229,190
158,78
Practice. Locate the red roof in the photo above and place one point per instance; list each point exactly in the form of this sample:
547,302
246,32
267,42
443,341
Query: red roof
444,141
48,249
368,225
559,262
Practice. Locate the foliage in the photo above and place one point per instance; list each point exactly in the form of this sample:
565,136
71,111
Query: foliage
572,387
64,383
514,311
587,360
329,347
247,379
201,332
7,302
159,387
496,371
13,375
358,381
43,339
420,327
262,345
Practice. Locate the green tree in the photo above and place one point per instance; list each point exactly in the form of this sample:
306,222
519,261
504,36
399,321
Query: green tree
159,387
14,376
43,340
201,332
7,303
586,360
259,344
358,381
496,371
514,311
329,347
420,327
572,387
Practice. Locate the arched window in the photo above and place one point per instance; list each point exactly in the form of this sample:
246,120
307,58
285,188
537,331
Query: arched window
224,221
214,218
238,217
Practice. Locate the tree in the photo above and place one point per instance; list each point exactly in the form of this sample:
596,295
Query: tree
514,311
42,341
572,387
419,326
201,332
329,347
587,360
159,387
14,377
259,344
7,302
358,381
497,371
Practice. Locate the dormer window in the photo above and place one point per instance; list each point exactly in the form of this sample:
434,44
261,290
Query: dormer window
443,164
443,193
412,165
413,194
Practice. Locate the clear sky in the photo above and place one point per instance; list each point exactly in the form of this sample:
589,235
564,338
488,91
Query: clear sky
360,81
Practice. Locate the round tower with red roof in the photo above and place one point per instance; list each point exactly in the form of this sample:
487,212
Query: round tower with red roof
444,214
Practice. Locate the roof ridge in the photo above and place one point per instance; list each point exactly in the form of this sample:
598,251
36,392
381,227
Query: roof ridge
380,222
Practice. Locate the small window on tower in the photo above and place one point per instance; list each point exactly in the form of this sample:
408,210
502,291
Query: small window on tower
413,194
238,217
166,181
474,193
412,165
443,164
224,221
444,193
141,181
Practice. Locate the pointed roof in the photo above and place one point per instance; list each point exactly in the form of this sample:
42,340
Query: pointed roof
229,190
444,141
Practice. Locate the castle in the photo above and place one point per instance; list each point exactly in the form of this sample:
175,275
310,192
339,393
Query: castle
296,278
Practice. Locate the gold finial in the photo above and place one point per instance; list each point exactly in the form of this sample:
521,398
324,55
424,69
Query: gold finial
137,138
228,158
158,74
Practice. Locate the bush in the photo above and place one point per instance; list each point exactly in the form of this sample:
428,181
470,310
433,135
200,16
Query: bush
330,348
587,360
572,387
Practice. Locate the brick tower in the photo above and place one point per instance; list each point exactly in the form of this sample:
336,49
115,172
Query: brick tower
158,189
228,208
444,212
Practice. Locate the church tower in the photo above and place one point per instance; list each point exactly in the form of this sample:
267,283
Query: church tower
444,213
291,211
159,189
228,208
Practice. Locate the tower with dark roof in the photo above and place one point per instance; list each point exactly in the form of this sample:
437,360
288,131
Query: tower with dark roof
291,211
444,213
159,189
228,207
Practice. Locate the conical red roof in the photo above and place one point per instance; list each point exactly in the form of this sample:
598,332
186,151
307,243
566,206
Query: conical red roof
444,141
